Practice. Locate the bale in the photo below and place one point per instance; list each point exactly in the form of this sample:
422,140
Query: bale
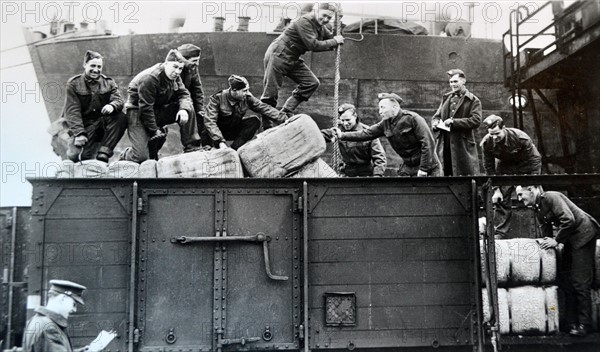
549,266
552,309
83,169
525,261
502,261
147,169
503,312
123,169
214,163
318,168
284,149
528,310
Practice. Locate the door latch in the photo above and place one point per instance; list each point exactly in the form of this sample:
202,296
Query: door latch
258,238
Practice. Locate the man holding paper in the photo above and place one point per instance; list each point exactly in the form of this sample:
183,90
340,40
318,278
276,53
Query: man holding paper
46,331
454,123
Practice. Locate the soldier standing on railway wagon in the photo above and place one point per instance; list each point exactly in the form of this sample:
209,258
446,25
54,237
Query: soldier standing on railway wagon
225,115
577,231
507,151
94,112
407,132
157,97
282,59
453,127
360,158
46,331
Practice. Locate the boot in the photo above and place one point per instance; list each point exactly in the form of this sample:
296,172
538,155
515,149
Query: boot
290,105
102,157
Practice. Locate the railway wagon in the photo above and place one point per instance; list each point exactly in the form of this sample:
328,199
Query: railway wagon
271,264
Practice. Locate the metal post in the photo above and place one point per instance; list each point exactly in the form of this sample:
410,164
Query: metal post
134,220
477,266
11,277
305,259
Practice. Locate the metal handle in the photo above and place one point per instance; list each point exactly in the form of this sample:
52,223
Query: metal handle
258,238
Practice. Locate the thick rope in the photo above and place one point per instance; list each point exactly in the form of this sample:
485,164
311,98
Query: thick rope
336,94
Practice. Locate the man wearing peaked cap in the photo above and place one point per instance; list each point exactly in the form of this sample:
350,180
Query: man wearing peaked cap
190,76
94,112
158,97
454,125
46,331
226,115
408,134
362,158
283,57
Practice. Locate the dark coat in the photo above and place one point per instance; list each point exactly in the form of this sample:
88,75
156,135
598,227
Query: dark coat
46,332
515,154
575,226
85,99
192,82
463,147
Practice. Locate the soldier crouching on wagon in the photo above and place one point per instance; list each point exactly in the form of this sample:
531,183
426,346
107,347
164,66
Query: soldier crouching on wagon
93,110
157,97
577,231
46,331
365,158
407,132
225,115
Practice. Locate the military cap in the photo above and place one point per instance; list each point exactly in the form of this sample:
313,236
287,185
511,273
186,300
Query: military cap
68,288
456,71
492,121
90,55
345,107
392,96
189,50
237,82
175,55
327,6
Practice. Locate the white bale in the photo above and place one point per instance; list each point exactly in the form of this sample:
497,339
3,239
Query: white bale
84,169
318,168
284,149
503,312
528,310
123,169
552,309
215,163
525,261
502,261
147,169
597,265
549,266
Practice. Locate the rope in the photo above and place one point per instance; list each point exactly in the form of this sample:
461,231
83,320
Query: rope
336,94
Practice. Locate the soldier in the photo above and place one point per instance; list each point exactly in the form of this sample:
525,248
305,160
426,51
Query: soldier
282,59
407,132
507,151
454,123
365,158
93,110
157,97
46,331
225,115
191,80
577,231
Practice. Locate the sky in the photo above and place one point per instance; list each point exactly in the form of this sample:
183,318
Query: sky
25,149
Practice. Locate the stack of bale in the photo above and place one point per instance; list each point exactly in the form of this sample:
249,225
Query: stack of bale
527,295
292,149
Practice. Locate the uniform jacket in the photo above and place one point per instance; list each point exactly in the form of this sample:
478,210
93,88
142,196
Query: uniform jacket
85,99
357,153
409,136
46,332
575,226
191,80
467,118
306,34
516,154
151,89
221,107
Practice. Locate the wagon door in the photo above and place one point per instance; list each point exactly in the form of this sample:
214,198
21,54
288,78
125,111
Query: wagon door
219,270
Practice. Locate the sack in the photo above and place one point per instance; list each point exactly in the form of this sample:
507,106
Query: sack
214,163
283,150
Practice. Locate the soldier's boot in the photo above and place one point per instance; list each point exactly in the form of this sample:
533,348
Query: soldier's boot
290,106
102,157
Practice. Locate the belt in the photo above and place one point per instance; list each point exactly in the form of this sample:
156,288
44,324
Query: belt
289,45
